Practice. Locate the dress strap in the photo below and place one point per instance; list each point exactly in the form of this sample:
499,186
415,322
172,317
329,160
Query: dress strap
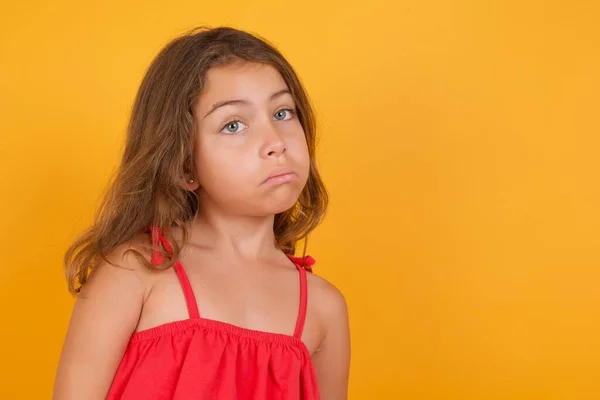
159,238
303,264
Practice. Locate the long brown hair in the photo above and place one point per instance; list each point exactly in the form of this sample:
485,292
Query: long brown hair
158,154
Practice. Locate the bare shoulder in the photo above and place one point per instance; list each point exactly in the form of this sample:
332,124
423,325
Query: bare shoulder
328,303
122,269
330,299
331,359
104,317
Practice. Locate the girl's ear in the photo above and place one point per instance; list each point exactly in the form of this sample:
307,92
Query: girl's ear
191,184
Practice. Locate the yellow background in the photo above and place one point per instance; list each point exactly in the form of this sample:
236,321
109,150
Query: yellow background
460,145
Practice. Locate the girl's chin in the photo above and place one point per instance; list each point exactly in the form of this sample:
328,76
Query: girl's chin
279,205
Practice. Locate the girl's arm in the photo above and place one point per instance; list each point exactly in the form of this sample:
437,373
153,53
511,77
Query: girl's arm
332,359
105,315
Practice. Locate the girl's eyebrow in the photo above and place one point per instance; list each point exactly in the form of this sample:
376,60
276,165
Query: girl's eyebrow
243,101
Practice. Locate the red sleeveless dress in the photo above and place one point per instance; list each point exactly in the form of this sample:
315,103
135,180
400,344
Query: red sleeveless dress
201,358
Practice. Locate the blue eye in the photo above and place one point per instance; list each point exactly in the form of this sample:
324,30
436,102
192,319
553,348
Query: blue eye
284,115
233,127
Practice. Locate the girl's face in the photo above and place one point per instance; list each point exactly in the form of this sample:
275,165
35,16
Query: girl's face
251,152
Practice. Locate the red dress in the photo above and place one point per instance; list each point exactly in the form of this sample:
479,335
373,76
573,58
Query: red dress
200,358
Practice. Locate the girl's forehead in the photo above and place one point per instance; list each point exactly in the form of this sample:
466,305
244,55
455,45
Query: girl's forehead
241,80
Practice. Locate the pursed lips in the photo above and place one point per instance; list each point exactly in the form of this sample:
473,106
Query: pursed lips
281,175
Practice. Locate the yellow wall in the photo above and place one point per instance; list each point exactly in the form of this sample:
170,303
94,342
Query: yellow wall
460,145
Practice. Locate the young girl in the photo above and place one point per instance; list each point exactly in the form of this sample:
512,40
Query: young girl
187,283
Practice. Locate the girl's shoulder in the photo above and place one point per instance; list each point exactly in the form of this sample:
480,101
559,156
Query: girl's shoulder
325,298
124,268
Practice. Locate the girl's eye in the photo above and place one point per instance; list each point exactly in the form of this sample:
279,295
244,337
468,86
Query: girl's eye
284,115
233,127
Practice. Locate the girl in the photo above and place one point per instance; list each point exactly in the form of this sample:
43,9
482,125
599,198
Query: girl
187,284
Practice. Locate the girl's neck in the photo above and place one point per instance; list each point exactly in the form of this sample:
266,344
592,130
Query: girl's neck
249,238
